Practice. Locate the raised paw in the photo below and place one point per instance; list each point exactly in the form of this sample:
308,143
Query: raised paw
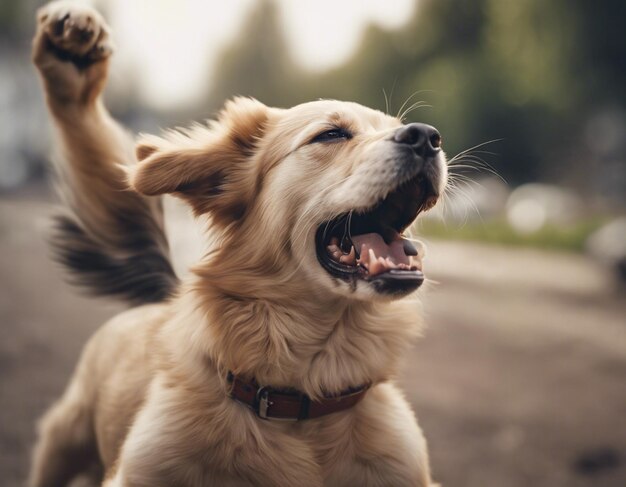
74,32
71,49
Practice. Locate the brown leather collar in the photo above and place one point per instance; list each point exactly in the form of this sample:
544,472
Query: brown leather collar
290,405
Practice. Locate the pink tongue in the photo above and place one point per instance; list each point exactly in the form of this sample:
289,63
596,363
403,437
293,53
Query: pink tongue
373,241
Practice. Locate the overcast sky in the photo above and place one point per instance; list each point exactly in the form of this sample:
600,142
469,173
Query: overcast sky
175,43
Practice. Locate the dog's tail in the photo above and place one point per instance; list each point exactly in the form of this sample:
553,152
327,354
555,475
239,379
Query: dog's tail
128,259
110,238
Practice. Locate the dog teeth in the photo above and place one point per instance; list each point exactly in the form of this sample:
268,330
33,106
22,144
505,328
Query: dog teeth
363,257
375,266
334,251
378,264
415,263
350,258
337,254
352,254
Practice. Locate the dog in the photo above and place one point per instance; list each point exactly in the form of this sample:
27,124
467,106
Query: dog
273,363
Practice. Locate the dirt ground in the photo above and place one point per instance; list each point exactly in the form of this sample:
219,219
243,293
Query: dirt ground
519,380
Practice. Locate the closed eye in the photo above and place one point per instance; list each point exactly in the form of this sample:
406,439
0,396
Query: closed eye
332,135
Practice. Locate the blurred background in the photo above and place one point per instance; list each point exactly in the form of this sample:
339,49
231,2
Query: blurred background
520,378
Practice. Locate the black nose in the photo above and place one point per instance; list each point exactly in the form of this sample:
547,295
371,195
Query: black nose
423,139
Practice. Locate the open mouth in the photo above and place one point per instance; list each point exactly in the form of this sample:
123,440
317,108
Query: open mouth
369,244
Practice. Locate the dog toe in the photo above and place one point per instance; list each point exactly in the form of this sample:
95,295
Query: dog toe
74,30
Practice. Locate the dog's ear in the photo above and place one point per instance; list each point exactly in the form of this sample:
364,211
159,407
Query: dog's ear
209,166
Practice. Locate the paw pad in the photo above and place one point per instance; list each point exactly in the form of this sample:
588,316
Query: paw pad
75,32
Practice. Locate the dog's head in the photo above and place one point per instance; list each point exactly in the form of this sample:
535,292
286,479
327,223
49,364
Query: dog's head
321,192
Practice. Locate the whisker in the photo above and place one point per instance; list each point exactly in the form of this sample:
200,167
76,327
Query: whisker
408,101
393,88
414,106
473,148
386,102
459,191
474,163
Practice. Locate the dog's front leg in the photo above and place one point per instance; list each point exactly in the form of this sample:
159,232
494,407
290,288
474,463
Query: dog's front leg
382,445
71,50
190,437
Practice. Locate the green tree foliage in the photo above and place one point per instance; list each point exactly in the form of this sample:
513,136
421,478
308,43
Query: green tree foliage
258,63
530,72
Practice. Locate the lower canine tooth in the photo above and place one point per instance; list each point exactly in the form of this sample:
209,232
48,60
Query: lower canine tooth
375,266
349,258
332,250
345,259
352,253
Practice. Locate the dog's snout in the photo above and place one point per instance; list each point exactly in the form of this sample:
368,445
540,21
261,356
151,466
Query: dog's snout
423,139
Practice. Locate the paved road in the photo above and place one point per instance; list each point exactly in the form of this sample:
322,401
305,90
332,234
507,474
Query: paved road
519,380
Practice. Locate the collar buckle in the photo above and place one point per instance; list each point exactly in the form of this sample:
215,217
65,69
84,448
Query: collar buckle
263,403
289,405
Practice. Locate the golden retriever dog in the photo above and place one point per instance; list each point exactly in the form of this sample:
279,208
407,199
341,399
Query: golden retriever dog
273,363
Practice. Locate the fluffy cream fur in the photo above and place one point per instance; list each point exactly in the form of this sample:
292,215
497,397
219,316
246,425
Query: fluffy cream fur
148,400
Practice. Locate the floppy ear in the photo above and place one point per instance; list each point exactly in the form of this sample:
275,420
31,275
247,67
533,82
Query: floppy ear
209,166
